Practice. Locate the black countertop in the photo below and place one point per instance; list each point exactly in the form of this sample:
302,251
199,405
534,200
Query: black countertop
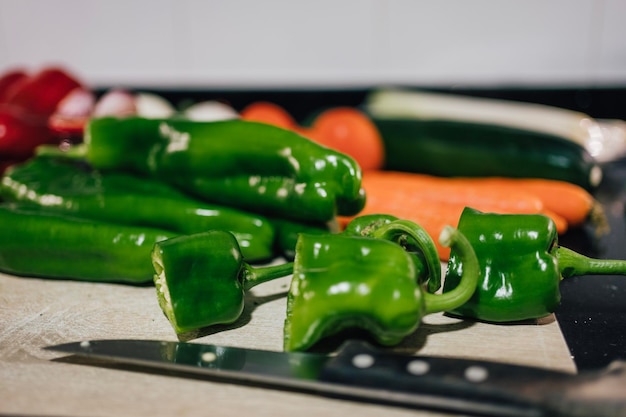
592,313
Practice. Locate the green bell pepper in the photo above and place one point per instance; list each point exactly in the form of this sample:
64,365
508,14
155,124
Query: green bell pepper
521,266
35,242
345,281
72,187
249,165
201,279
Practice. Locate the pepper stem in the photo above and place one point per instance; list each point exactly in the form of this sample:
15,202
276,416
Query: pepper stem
78,151
398,230
572,263
253,276
435,303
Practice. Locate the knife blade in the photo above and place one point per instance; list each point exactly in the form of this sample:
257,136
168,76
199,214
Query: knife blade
361,372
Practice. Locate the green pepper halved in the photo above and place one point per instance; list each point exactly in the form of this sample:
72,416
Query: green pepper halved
201,279
346,281
521,266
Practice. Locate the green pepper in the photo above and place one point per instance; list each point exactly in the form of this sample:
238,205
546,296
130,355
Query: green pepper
521,266
201,279
344,281
39,243
74,188
287,232
411,236
249,165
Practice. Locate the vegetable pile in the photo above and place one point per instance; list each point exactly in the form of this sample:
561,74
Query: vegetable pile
362,204
397,182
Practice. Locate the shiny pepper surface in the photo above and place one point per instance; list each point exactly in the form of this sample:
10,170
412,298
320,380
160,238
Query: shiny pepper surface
201,279
521,266
411,236
40,243
239,163
72,187
345,281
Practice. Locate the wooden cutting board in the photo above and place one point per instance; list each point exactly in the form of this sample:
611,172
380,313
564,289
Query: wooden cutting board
36,312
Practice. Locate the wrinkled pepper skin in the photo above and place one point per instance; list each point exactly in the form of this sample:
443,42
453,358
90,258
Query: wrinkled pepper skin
244,164
201,279
521,266
519,275
38,243
326,297
72,187
411,236
343,281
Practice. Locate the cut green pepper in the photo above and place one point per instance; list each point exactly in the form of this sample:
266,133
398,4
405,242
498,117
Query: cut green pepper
521,266
74,188
344,281
38,243
244,164
201,279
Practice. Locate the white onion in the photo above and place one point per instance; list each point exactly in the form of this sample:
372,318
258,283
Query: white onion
116,103
209,111
153,106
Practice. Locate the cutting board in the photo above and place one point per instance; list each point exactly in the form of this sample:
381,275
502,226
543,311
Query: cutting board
38,312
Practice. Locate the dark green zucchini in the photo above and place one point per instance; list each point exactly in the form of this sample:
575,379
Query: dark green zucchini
459,148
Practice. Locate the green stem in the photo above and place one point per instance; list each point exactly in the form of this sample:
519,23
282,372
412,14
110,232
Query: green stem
253,276
469,280
398,230
74,152
572,263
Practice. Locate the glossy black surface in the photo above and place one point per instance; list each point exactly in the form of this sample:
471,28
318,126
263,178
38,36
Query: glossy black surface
364,373
592,314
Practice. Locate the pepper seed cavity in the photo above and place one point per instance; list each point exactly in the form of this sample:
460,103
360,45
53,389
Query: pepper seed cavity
208,357
363,360
418,367
476,374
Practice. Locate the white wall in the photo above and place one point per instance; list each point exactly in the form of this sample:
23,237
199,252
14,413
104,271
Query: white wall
347,43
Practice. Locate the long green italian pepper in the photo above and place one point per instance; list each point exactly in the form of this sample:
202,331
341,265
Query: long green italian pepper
39,243
244,164
345,281
521,266
74,188
201,279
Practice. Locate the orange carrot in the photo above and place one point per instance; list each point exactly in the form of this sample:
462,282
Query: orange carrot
431,217
570,201
270,113
350,131
434,202
421,188
561,223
